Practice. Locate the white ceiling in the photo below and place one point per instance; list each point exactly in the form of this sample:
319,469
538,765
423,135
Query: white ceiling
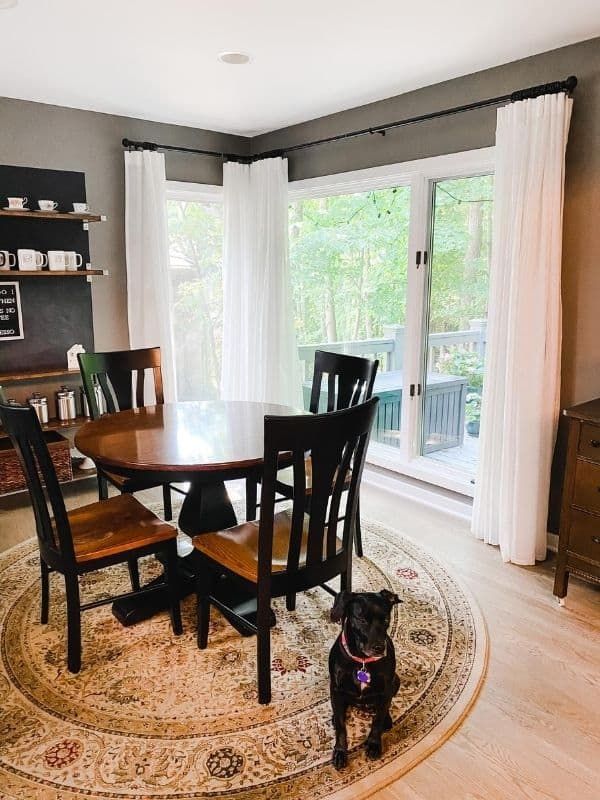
158,59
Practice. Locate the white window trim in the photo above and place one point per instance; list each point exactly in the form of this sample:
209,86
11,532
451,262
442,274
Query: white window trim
452,165
419,175
199,192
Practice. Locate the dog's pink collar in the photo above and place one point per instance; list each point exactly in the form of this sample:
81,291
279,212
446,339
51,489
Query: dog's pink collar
362,674
359,659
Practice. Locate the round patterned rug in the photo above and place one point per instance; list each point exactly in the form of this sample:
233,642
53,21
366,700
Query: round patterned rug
150,716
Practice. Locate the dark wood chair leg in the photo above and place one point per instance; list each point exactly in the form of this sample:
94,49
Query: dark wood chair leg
102,488
73,623
346,581
290,601
251,497
45,592
203,588
134,573
357,532
167,505
263,647
172,577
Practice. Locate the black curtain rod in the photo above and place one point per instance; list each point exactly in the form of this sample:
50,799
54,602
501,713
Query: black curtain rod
555,87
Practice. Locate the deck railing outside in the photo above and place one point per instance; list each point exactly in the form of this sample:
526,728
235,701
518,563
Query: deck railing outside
389,349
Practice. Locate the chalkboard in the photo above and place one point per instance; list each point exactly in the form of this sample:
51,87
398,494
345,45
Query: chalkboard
11,318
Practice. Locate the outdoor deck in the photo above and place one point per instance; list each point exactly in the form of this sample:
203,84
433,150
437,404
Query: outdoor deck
464,457
446,438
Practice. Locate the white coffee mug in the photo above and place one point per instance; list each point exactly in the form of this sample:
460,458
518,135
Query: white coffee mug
47,205
73,260
7,260
81,208
57,260
31,259
17,202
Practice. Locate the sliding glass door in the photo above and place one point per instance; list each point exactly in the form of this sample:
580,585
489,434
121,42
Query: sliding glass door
393,263
456,321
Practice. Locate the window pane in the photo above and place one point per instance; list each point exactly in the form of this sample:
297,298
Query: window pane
349,256
195,260
458,307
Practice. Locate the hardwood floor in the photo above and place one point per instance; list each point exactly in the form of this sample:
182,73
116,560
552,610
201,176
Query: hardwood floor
534,732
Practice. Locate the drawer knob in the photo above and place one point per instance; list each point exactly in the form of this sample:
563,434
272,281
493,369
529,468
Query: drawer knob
596,539
595,442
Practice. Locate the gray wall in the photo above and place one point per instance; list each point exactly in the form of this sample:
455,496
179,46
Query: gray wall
39,135
581,252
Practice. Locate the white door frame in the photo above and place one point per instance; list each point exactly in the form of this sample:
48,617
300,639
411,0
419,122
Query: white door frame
420,175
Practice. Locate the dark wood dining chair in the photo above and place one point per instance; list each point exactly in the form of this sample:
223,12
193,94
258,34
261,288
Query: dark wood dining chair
349,381
291,551
91,537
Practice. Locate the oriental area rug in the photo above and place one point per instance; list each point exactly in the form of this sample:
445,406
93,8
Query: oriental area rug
151,717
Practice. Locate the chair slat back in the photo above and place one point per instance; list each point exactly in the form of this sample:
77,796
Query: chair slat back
337,442
350,380
116,372
23,427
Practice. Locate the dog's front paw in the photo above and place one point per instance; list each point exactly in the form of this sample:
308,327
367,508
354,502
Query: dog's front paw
340,758
373,748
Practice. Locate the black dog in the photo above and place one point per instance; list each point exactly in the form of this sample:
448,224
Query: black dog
362,666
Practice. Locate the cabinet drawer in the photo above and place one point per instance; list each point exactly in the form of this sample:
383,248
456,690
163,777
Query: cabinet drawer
587,486
584,535
589,442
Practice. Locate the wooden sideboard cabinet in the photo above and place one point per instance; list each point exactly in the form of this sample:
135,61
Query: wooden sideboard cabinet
579,540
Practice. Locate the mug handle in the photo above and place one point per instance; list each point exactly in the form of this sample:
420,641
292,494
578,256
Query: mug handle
14,260
80,262
25,199
43,262
54,205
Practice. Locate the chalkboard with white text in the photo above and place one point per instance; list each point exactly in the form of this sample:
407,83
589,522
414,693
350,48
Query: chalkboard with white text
11,318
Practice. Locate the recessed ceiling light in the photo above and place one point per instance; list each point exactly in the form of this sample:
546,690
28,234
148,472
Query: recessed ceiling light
7,4
233,57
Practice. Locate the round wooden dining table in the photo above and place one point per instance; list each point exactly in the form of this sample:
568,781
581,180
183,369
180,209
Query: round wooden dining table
202,443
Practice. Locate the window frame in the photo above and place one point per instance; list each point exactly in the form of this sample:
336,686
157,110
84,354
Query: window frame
187,191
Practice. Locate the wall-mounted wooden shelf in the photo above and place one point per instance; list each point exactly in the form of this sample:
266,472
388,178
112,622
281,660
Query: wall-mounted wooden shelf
53,215
35,374
56,273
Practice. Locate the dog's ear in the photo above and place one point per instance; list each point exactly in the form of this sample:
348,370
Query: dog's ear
338,612
390,597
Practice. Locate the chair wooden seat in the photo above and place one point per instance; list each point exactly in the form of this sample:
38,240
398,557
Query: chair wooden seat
285,479
236,548
115,527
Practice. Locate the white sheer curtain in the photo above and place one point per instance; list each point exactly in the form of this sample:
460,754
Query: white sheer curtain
147,252
521,394
260,357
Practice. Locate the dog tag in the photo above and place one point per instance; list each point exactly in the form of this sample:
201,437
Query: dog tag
363,676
